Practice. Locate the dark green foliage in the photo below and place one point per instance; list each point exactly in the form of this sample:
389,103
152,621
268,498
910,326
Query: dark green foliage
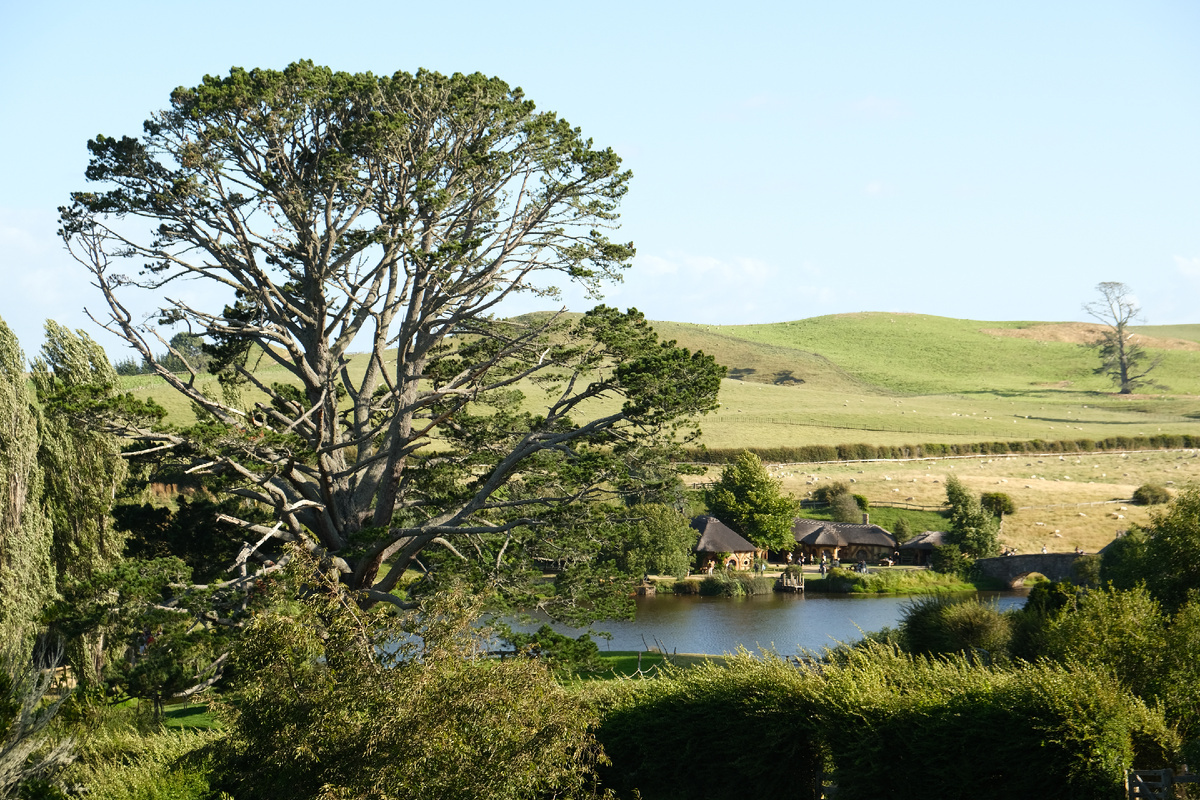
902,530
997,503
711,732
566,656
948,559
751,502
1086,571
1151,494
158,646
658,540
340,702
191,532
1173,549
845,508
817,454
972,529
940,625
1125,561
890,725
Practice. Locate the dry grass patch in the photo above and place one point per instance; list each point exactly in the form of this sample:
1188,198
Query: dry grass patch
1048,489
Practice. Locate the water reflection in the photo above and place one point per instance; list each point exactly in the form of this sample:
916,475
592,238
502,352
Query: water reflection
784,622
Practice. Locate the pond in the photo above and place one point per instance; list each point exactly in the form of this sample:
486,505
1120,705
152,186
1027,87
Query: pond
787,623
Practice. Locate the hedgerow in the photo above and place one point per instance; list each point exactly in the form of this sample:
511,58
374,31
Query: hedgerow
818,453
881,724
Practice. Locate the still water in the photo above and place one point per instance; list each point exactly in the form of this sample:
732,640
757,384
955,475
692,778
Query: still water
787,623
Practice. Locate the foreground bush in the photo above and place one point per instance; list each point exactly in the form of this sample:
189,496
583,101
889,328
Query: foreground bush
346,704
883,724
119,762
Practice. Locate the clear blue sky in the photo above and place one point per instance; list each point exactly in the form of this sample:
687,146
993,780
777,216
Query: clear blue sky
964,159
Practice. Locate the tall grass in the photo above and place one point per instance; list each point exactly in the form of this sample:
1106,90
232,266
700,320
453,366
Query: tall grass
843,581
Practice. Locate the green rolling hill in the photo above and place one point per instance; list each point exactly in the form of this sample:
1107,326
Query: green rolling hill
884,378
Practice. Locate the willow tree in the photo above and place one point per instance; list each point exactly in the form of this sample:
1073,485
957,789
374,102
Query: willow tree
82,465
26,570
83,470
393,216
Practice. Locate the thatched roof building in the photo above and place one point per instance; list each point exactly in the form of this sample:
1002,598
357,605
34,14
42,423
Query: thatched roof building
918,549
715,538
845,541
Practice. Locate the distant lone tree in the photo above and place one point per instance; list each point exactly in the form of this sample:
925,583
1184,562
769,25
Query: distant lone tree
1121,357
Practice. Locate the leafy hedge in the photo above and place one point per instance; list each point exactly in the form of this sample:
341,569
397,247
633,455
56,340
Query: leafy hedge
815,453
885,724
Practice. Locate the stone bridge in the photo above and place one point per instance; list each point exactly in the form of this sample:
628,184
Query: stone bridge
1013,569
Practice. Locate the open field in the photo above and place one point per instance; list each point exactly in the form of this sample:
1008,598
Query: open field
897,379
1074,498
909,379
903,379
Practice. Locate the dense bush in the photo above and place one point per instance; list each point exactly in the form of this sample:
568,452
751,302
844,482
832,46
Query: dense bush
812,454
350,704
764,728
566,656
997,503
948,559
723,583
940,625
1151,494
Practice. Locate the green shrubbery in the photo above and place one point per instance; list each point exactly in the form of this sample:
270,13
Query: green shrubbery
767,728
1151,494
845,581
817,453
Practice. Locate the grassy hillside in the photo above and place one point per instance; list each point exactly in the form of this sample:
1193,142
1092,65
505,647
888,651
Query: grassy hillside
904,379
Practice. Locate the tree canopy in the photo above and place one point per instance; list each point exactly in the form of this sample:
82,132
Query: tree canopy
750,501
1122,358
345,212
26,564
972,527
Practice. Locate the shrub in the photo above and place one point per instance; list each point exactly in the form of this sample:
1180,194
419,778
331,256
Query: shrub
1151,494
948,559
828,492
939,625
342,703
997,503
762,728
844,508
688,586
564,654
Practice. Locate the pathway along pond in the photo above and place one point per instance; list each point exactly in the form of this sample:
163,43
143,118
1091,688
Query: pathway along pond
787,623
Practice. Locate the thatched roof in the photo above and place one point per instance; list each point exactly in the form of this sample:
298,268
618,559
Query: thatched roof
802,527
847,534
717,537
926,541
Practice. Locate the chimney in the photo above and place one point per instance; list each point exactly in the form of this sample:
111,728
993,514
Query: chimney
866,518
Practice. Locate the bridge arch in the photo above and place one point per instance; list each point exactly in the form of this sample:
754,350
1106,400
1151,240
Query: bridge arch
1013,569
